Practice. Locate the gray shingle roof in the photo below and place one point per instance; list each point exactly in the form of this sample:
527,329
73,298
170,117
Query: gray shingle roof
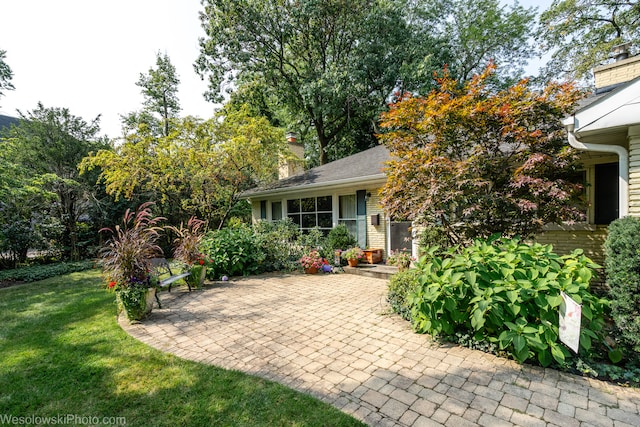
367,165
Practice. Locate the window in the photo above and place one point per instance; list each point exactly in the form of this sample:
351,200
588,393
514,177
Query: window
311,212
347,213
276,211
263,209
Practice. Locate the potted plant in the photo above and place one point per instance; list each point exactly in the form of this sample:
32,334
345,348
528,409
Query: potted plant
311,262
402,259
353,256
187,250
125,261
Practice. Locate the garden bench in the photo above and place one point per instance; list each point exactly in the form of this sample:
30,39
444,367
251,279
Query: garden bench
160,267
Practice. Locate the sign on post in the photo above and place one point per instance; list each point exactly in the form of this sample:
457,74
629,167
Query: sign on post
570,318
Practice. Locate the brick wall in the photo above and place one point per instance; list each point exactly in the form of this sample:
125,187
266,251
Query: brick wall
617,72
634,170
376,234
590,239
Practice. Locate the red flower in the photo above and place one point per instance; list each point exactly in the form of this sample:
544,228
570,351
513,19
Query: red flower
112,284
201,262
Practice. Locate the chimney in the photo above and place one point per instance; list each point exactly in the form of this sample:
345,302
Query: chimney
625,68
291,163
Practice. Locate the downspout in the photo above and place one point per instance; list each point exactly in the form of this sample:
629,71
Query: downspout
623,166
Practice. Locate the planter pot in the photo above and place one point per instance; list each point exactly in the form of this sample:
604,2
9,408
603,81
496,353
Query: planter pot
198,274
311,270
352,262
136,303
373,256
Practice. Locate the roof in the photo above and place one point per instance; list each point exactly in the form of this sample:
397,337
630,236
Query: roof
366,166
615,111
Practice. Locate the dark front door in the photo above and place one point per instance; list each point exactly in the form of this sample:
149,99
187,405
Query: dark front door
606,193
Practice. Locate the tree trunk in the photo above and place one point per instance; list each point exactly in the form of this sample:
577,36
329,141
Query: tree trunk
323,141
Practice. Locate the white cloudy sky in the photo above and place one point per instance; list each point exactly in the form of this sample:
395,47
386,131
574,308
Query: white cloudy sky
87,55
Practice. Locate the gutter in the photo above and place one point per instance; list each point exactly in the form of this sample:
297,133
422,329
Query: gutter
623,165
364,180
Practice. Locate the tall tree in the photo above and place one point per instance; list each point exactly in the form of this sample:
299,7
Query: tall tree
199,169
24,207
484,31
50,143
479,162
329,61
159,88
5,74
333,63
581,33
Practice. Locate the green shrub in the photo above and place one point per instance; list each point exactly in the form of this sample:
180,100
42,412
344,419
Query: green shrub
507,293
313,239
401,285
277,241
432,234
339,238
41,272
233,251
622,266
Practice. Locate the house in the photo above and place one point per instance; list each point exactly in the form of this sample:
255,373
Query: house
606,128
341,192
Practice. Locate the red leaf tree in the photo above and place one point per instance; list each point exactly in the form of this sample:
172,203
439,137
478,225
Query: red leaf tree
472,161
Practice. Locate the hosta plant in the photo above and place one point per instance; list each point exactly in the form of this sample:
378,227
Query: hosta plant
507,292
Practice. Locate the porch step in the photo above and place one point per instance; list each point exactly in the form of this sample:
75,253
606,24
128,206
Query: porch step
378,271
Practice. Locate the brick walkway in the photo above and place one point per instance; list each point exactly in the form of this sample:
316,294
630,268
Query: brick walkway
332,336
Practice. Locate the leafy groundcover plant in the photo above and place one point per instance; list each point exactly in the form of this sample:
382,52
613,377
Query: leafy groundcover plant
507,293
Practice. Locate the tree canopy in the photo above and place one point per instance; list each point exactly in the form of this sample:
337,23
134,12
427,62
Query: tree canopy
479,162
159,88
332,64
330,61
484,31
199,169
581,33
41,154
5,74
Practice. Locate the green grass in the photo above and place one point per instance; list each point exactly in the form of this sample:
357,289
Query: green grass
62,352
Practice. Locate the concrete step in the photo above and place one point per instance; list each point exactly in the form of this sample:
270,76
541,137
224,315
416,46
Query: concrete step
378,271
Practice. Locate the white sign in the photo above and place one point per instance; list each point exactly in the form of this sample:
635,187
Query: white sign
570,318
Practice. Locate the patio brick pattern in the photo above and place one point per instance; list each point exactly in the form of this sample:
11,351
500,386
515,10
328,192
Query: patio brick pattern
333,336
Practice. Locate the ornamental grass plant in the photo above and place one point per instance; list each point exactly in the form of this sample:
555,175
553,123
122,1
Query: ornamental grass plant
126,257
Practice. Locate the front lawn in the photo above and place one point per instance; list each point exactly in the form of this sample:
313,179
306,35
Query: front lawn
63,354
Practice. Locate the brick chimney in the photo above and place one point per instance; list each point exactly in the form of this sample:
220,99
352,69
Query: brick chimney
291,163
624,69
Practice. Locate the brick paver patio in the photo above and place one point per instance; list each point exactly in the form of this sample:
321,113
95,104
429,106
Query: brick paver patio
332,336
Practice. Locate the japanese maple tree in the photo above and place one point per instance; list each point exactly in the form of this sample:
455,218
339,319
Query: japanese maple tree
474,161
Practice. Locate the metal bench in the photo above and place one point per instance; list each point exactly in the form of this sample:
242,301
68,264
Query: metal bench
160,267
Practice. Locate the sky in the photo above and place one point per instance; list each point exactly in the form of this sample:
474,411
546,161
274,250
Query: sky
87,55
